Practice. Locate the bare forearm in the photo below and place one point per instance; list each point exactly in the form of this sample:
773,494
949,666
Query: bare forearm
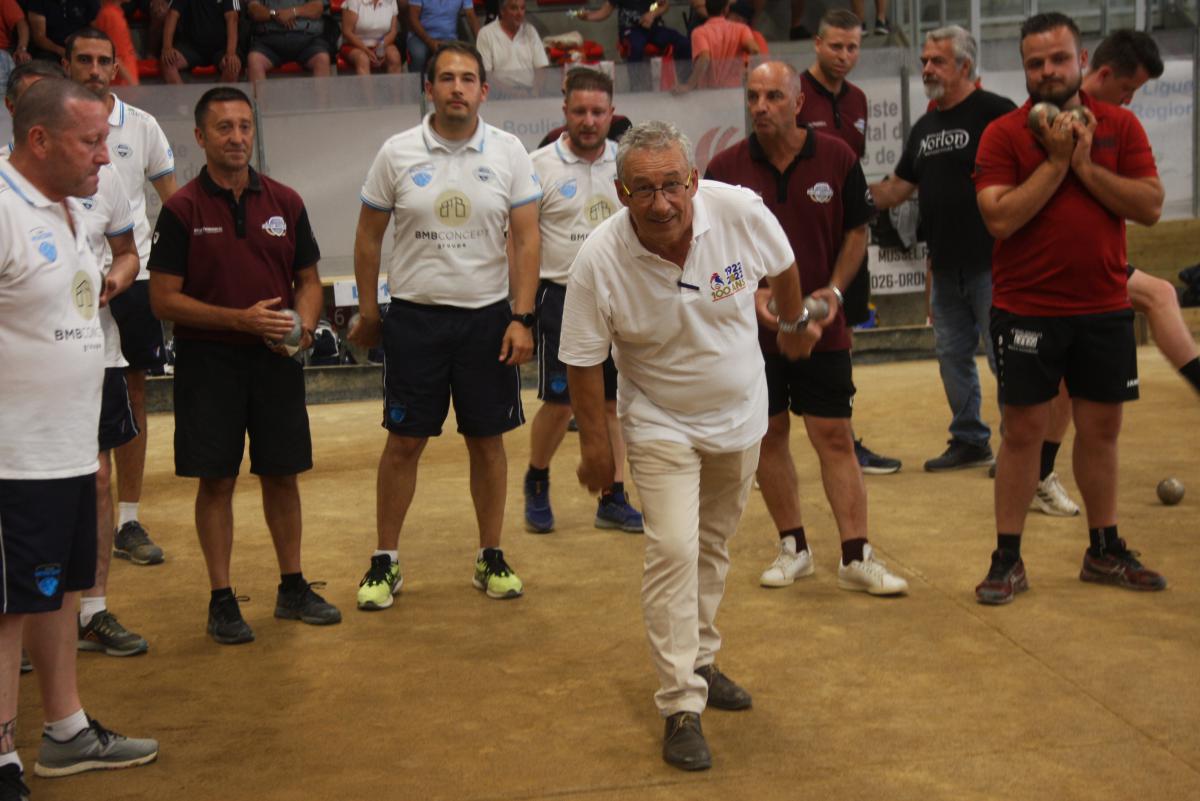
1129,198
1009,212
231,33
309,297
850,258
891,193
524,275
587,402
366,276
183,309
787,293
169,26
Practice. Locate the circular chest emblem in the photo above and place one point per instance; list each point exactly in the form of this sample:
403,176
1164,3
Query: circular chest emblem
820,192
83,295
123,150
569,188
453,208
599,208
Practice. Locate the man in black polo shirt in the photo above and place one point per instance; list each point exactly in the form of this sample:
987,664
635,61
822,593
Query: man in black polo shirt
939,158
232,249
201,33
835,106
52,21
815,185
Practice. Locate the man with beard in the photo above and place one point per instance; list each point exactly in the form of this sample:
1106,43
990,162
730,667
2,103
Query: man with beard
1056,201
939,158
140,152
578,174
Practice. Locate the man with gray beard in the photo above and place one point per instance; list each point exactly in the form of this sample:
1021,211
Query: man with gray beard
939,158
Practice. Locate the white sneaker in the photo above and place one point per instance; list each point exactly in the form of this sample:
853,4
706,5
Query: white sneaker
1052,499
870,576
788,565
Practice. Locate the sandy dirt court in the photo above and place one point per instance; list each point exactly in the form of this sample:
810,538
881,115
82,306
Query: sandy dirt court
1073,692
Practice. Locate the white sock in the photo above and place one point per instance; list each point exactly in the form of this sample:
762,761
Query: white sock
393,555
128,513
68,727
12,758
88,607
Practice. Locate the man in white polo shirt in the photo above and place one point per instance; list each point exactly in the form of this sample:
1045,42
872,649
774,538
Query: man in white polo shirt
139,150
511,46
668,283
52,358
578,174
451,187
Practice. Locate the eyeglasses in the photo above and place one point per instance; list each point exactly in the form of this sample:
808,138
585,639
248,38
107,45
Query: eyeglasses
671,189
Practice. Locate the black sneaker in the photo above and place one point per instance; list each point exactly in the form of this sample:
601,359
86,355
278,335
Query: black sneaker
960,455
723,692
1005,578
683,743
882,27
225,622
12,784
872,463
306,606
132,542
1120,567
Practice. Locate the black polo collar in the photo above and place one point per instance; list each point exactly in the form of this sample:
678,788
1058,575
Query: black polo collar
211,187
807,150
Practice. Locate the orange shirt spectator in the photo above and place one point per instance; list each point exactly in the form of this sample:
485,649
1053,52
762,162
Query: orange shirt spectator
728,46
111,20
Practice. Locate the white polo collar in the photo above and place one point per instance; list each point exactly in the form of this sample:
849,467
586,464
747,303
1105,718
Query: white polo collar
24,189
568,156
475,143
116,117
700,226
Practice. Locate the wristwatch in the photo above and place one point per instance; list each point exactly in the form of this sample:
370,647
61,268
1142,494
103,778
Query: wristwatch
526,319
799,324
274,13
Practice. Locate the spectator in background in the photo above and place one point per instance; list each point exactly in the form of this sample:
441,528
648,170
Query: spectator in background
882,27
639,23
111,20
510,44
743,11
14,39
720,50
431,22
202,33
285,31
52,21
369,30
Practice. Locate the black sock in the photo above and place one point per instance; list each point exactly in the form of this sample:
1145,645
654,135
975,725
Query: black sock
617,487
1191,371
852,550
798,533
537,473
1104,539
1049,454
221,595
1010,543
291,582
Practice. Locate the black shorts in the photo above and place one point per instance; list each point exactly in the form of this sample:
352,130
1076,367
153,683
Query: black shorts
1096,354
117,425
821,385
280,48
141,332
224,392
552,374
47,541
857,297
199,55
434,352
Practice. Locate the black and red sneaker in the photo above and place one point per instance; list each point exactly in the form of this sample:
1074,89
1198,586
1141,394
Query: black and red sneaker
1119,566
1005,579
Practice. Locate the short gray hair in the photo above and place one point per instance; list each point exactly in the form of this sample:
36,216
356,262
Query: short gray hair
652,135
962,42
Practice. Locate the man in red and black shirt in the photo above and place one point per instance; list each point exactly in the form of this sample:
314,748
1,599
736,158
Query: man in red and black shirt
835,106
1056,201
233,249
813,183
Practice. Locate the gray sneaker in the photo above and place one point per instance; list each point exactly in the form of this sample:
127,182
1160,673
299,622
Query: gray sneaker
105,633
132,542
94,748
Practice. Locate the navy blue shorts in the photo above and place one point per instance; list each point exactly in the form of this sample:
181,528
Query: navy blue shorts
141,332
821,385
1095,354
552,374
433,353
47,541
224,392
117,425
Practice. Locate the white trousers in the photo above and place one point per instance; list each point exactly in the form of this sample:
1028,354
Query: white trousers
692,502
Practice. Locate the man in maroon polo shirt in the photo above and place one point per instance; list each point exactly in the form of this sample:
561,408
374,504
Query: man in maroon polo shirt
231,250
814,185
1056,201
835,106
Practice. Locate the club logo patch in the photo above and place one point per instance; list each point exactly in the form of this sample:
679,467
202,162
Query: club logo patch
396,413
484,174
820,192
422,174
48,578
599,209
123,150
453,208
83,295
1025,341
275,226
730,283
860,125
569,188
88,203
558,384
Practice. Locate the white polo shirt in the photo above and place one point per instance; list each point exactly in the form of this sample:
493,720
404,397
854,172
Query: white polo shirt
51,344
520,54
140,151
374,19
107,214
450,212
577,195
685,342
